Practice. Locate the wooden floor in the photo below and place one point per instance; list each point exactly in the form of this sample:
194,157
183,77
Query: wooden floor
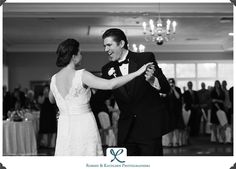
199,146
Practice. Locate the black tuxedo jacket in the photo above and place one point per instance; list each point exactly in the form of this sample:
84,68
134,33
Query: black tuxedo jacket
139,102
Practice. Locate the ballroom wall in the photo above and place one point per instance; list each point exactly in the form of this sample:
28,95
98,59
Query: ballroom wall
24,67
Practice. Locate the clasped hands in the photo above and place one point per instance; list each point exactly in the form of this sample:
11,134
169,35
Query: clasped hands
149,74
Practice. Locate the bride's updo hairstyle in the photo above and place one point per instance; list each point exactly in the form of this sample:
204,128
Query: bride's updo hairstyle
65,51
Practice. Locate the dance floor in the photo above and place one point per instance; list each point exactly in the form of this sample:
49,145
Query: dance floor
199,146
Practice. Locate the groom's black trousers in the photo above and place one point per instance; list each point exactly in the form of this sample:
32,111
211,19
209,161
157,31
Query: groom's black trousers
144,147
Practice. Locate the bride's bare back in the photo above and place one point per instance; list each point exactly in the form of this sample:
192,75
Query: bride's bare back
64,80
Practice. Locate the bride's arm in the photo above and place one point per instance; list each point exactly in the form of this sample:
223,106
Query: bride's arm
99,83
51,97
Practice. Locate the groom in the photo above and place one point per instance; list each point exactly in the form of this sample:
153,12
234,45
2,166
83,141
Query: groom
142,119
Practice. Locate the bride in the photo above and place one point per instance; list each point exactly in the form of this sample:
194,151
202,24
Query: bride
70,88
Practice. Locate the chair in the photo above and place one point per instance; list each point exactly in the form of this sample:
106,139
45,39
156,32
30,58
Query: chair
107,133
222,117
186,115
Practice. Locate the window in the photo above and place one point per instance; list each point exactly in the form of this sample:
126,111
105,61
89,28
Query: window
167,69
185,70
206,70
198,72
225,72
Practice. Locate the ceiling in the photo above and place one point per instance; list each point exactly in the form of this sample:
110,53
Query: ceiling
201,27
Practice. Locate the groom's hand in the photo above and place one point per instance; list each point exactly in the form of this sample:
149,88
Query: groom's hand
150,78
149,74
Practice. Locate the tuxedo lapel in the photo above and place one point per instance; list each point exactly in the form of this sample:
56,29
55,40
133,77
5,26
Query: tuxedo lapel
132,64
132,68
121,89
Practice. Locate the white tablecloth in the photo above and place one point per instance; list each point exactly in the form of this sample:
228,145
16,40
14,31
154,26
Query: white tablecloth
19,138
34,117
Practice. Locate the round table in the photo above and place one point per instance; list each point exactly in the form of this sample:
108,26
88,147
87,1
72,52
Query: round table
19,138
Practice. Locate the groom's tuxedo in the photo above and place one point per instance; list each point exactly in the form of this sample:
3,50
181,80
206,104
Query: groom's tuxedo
143,116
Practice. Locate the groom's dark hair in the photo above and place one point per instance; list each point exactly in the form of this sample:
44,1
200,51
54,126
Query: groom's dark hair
117,35
65,51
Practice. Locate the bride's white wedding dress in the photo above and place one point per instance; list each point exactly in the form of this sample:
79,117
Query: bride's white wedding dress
77,132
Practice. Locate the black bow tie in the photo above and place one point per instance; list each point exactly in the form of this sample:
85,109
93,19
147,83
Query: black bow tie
123,62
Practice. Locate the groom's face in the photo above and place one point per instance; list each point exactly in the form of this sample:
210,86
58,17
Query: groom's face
112,48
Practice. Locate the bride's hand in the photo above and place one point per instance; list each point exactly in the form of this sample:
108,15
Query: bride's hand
144,67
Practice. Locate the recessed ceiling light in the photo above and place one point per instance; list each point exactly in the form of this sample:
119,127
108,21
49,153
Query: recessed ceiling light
191,39
46,19
226,20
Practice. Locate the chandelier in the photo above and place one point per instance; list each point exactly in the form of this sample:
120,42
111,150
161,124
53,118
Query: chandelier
140,48
158,32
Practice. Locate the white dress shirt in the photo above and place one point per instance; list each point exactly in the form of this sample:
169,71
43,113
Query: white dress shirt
124,68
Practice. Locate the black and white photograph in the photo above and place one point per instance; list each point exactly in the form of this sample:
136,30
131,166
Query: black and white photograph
101,79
